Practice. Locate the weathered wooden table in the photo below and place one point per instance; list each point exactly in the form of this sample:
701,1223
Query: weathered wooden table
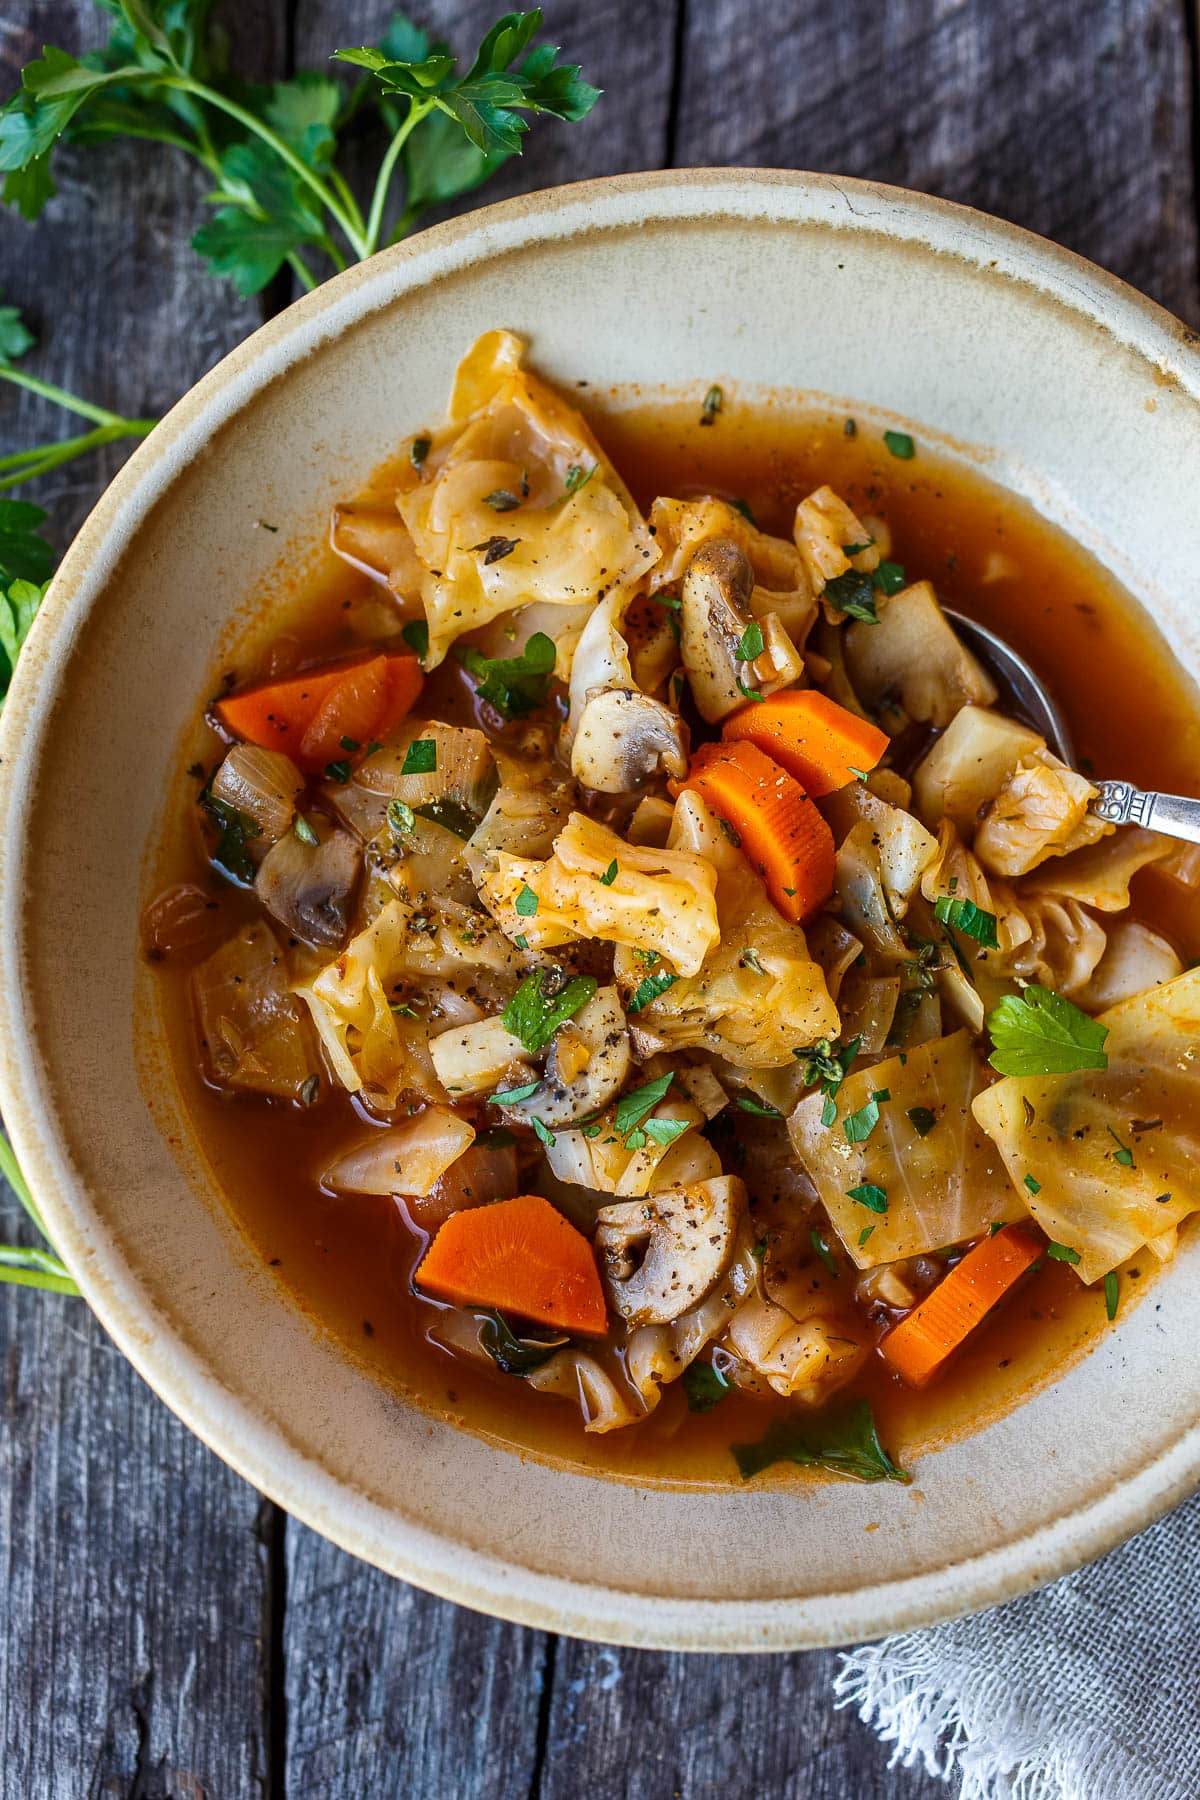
165,1632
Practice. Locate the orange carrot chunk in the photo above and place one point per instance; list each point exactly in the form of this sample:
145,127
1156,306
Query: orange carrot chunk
777,825
308,715
919,1345
811,736
519,1256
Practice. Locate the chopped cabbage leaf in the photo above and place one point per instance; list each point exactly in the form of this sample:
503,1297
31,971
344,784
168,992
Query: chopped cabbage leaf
1041,811
968,765
408,1158
781,584
1134,959
825,528
660,900
571,538
906,849
805,1360
658,1354
757,992
1099,874
941,1189
1107,1160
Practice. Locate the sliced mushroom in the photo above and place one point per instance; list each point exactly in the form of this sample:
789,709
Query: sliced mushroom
624,737
599,1028
720,605
309,888
666,1253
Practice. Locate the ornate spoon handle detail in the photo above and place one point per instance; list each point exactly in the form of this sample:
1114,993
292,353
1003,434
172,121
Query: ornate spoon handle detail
1173,814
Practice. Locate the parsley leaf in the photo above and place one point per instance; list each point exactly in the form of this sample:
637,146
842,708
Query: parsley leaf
758,1107
609,875
514,685
705,1386
971,920
513,1354
19,603
921,1120
1062,1253
750,644
632,1108
513,1096
824,1252
24,556
648,989
900,444
420,758
416,635
845,1442
1112,1293
1039,1033
854,595
526,902
534,1016
234,831
868,1195
859,1125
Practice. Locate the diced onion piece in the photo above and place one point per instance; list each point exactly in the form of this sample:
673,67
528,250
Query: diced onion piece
472,1059
253,1032
182,923
913,652
262,785
409,1158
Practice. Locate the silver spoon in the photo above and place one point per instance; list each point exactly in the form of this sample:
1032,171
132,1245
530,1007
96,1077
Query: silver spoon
1118,802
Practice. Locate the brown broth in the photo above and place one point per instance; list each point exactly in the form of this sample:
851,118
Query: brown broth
348,1262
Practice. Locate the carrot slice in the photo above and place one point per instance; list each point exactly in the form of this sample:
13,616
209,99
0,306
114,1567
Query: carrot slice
519,1256
308,715
811,736
919,1345
780,829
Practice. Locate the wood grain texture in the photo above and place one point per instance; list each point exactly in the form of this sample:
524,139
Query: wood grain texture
166,1636
1072,120
135,1634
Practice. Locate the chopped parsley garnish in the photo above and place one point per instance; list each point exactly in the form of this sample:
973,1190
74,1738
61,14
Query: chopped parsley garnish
1122,1154
609,875
858,774
534,1015
544,1133
516,1356
869,1195
733,836
401,818
1112,1293
750,645
921,1120
714,401
502,500
857,549
748,693
304,831
350,744
420,758
854,595
971,920
824,1252
495,548
338,771
1037,1032
416,635
705,1386
844,1442
521,941
750,960
1061,1253
578,477
526,903
1033,1184
649,989
514,685
419,450
758,1108
864,1234
513,1096
743,507
900,444
633,1108
859,1125
888,578
235,830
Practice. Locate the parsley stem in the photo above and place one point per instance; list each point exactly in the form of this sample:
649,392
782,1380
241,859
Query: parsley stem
301,271
187,84
45,390
418,110
36,1278
345,194
10,1168
25,465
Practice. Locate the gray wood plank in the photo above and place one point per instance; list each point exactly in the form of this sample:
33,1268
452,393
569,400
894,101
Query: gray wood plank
1072,120
640,1725
390,1691
136,1568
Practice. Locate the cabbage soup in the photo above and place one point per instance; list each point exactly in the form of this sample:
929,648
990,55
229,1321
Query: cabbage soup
636,977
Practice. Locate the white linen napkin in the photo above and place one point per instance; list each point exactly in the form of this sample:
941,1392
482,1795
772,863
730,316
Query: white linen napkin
1087,1690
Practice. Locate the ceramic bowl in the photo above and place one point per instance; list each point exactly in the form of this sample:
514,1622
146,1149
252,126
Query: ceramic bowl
1082,396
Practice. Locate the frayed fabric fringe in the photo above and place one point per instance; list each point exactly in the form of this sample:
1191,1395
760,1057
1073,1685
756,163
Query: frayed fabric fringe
899,1688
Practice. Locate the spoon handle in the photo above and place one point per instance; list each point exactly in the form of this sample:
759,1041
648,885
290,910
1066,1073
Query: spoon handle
1173,814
